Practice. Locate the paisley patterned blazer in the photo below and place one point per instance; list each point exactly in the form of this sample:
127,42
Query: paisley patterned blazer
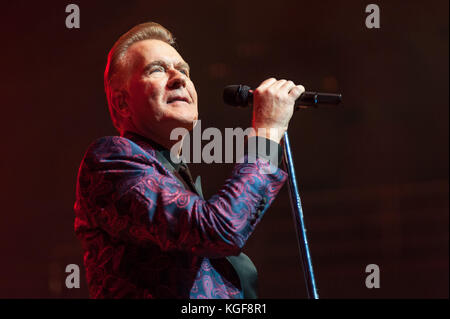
144,235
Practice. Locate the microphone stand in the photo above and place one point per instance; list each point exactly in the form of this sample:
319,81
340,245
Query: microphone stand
300,228
242,95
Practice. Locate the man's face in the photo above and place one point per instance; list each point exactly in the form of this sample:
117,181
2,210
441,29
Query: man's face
161,94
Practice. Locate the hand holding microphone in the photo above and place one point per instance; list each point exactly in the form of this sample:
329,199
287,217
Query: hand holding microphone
273,106
274,101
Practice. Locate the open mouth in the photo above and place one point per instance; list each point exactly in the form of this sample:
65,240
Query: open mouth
177,99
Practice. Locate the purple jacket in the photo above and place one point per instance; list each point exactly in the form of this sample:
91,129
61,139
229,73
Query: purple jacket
145,236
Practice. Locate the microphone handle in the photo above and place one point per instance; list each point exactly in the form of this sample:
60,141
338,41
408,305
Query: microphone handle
315,98
310,99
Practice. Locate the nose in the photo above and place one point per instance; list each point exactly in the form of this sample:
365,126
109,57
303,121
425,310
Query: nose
176,80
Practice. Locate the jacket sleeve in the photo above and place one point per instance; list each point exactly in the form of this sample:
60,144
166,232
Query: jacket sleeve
127,193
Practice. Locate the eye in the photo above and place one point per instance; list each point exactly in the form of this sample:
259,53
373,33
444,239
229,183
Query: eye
158,68
185,72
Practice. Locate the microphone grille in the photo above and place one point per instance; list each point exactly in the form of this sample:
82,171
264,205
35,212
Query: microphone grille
236,95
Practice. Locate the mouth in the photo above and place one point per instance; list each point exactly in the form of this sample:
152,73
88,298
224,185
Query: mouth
177,99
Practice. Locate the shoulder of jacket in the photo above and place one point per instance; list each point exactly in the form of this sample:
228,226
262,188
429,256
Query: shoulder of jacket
117,147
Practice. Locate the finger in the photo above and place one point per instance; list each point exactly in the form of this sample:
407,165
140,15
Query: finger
266,83
276,86
288,85
296,91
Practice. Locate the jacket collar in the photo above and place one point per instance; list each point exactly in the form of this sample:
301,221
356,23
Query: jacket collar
162,153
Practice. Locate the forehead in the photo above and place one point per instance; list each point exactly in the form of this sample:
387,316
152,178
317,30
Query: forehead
146,51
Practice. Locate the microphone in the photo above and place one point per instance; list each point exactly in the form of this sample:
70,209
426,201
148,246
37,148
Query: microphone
240,95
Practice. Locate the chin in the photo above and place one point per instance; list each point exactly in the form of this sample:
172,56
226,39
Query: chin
188,121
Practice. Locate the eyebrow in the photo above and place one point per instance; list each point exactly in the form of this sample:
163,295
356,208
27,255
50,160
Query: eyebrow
162,63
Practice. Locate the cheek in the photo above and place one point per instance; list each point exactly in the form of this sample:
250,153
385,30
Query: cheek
150,92
193,92
145,100
147,90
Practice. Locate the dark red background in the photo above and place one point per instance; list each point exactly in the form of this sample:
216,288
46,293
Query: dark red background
373,175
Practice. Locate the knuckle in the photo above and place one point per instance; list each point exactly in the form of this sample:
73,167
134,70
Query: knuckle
298,90
258,91
272,91
269,81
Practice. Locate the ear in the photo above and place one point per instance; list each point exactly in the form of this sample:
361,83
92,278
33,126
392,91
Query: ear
120,99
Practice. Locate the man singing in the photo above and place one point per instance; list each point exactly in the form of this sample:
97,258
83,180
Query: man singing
145,228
